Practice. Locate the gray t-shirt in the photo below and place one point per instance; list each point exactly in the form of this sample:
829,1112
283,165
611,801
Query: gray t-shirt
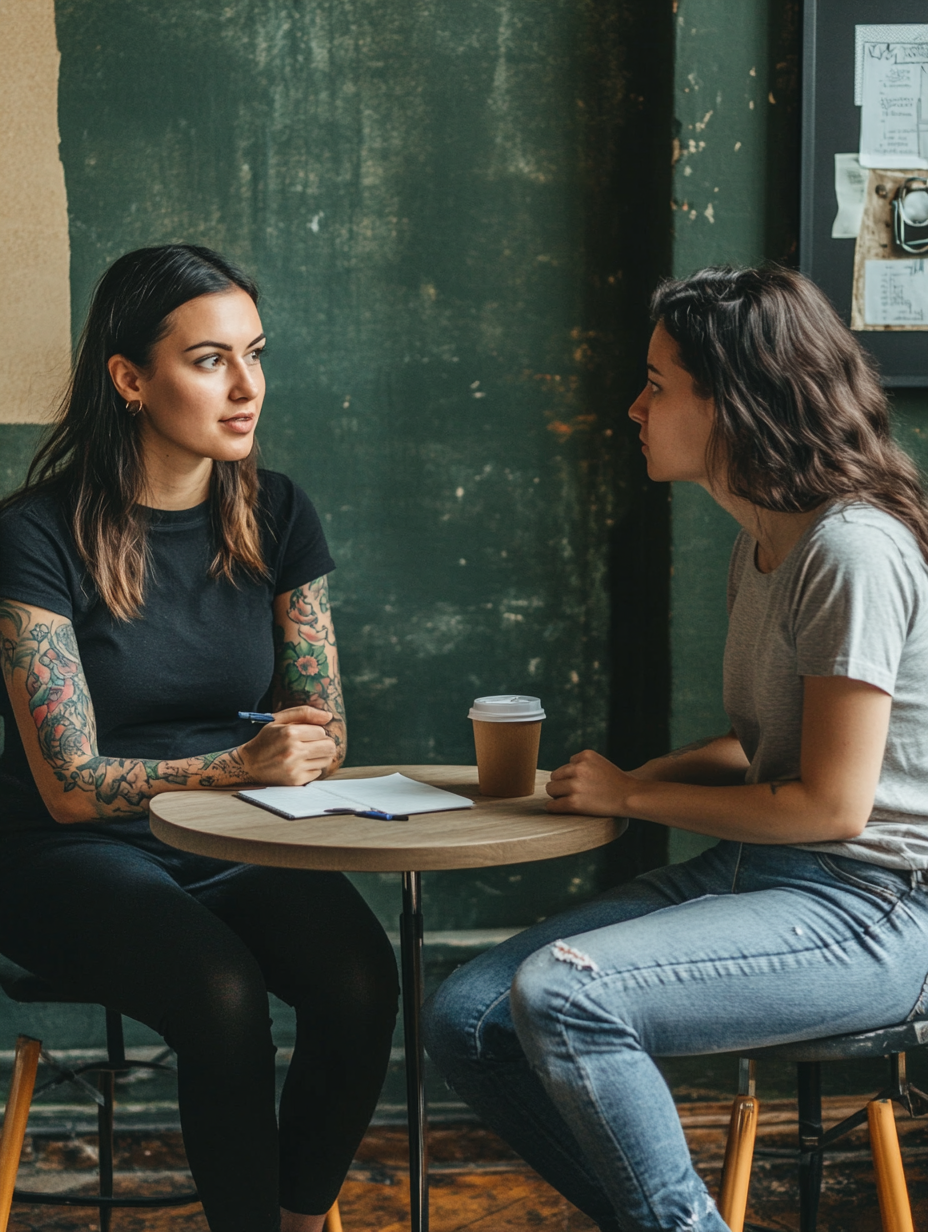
850,599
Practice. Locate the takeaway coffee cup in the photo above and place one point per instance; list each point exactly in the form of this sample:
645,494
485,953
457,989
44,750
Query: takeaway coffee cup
507,729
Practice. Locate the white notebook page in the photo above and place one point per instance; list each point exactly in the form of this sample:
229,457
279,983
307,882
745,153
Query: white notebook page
388,793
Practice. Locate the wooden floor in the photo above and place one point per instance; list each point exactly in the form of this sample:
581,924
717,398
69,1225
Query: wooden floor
478,1184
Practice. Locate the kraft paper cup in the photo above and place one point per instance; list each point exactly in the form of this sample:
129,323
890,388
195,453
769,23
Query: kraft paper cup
507,729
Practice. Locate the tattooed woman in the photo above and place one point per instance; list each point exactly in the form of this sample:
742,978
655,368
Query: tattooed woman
810,916
155,582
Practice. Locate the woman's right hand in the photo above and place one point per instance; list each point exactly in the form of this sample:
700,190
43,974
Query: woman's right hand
291,751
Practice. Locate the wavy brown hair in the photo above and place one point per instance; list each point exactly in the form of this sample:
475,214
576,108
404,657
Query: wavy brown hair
800,415
92,456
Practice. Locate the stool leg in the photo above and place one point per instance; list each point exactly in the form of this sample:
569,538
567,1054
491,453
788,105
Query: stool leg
25,1064
115,1041
105,1144
809,1082
895,1212
739,1155
106,1113
333,1221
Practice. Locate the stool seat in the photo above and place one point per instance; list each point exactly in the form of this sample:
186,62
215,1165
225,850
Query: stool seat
891,1042
857,1046
22,986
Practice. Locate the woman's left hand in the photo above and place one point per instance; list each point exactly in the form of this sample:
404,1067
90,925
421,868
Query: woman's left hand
590,784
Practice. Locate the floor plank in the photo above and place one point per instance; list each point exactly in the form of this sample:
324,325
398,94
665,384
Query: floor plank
479,1185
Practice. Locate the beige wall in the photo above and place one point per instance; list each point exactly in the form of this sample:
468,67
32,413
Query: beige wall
34,254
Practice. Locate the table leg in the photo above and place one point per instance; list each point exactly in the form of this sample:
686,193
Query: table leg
411,961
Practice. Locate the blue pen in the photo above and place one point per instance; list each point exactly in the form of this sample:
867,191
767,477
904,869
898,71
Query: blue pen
375,813
255,716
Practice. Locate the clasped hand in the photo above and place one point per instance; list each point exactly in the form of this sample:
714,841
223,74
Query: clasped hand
291,751
590,784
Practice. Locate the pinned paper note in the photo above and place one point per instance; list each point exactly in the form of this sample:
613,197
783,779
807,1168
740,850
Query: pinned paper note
874,293
896,292
894,117
868,35
850,191
891,87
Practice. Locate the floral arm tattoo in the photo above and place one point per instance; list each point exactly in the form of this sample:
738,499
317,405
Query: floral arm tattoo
41,662
306,667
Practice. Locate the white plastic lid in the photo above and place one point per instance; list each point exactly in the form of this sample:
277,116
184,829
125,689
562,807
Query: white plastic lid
507,708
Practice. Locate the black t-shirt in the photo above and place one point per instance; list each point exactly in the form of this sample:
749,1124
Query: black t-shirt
170,683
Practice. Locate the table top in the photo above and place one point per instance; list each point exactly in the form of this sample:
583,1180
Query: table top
494,831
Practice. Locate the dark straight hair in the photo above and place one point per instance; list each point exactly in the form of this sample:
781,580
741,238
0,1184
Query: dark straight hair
92,455
800,415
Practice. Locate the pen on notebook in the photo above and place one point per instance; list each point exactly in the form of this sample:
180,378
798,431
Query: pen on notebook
375,813
256,716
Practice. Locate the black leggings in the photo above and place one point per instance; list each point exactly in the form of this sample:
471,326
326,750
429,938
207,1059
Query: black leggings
191,946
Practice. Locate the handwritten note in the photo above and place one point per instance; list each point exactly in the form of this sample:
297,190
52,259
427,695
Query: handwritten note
867,35
896,292
894,113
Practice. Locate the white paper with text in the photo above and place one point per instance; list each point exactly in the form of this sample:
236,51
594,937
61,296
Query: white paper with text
850,191
896,292
388,793
892,90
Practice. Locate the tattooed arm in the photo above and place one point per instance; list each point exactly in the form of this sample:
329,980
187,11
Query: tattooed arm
716,760
306,660
55,717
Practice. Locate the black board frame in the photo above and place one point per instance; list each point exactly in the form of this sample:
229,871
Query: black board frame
831,125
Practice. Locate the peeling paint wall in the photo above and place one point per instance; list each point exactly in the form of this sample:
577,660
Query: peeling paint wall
736,180
440,200
729,177
736,175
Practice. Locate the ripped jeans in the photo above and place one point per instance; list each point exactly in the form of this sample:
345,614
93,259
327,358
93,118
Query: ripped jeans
552,1044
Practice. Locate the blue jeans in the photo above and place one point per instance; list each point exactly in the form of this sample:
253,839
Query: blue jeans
550,1036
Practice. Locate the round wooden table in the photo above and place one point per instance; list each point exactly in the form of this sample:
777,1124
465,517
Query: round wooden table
494,831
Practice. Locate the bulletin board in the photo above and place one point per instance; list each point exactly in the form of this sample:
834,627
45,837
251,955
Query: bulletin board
865,137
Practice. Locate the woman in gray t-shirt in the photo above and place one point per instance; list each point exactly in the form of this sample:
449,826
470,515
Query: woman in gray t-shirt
810,916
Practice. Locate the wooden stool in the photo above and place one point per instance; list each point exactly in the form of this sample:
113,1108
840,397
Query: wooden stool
808,1055
22,986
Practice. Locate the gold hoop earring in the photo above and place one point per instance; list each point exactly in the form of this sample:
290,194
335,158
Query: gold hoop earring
134,407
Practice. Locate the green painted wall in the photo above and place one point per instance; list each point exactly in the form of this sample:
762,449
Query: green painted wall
736,87
427,194
734,190
456,210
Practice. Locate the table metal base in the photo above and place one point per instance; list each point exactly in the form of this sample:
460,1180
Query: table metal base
411,954
411,933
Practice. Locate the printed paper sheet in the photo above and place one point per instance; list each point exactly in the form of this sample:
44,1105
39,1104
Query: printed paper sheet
896,292
850,191
891,88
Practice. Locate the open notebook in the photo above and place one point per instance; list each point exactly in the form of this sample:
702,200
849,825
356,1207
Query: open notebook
389,793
